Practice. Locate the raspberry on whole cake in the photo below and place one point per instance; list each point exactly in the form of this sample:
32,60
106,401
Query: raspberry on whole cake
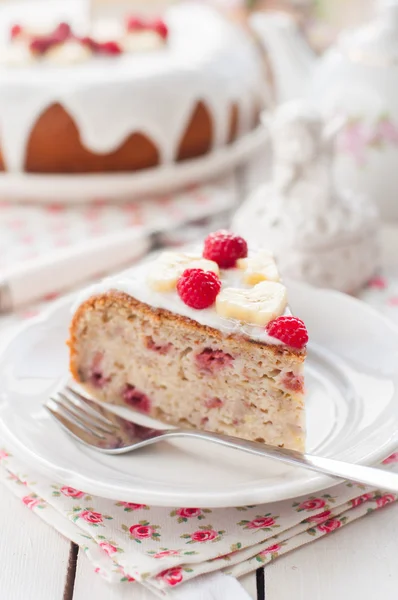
195,344
154,91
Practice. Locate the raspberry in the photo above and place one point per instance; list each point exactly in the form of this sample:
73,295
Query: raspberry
62,32
212,361
16,31
90,43
197,288
135,24
224,248
289,330
160,28
111,48
41,45
136,399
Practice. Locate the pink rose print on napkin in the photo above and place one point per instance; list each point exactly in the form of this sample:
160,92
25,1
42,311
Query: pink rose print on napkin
263,523
204,536
141,531
206,533
130,506
184,514
360,500
91,516
324,516
172,576
268,553
312,504
189,512
71,492
386,499
329,525
165,553
32,501
271,549
108,548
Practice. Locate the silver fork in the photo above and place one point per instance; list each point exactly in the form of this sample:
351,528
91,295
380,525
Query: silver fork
99,428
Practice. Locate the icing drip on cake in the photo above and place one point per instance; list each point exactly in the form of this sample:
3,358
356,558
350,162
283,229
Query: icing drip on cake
206,59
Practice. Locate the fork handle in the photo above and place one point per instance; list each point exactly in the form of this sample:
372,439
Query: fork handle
378,478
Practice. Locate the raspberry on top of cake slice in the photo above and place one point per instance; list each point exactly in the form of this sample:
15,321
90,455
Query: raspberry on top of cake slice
234,284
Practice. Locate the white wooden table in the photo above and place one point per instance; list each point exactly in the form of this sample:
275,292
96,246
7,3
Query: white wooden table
358,562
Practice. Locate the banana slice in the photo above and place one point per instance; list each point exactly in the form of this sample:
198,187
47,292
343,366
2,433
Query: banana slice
260,267
257,306
142,41
166,270
68,53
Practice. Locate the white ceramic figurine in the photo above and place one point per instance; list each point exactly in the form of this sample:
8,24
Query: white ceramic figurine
320,234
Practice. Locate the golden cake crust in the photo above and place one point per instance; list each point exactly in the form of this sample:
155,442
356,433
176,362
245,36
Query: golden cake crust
123,301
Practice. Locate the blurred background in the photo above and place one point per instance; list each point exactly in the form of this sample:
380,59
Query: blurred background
61,228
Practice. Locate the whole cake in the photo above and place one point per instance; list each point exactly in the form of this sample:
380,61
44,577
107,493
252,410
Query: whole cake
200,339
136,95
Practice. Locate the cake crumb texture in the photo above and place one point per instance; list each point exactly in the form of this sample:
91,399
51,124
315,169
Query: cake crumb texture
171,368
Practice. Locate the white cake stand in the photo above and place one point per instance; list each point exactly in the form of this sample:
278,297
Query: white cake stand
121,187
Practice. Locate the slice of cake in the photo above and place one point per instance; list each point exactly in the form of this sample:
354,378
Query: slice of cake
199,339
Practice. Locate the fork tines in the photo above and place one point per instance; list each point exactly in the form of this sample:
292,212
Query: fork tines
70,408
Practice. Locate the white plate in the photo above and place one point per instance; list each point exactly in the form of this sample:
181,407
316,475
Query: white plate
118,187
352,402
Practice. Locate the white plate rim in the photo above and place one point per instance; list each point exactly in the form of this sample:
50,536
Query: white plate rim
259,495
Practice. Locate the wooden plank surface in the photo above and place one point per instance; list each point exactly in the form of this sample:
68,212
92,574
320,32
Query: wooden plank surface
358,562
33,557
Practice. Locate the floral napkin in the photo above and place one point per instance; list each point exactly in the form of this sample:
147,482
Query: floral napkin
161,548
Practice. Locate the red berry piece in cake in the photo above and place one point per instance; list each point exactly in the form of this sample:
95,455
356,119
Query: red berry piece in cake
197,288
160,27
212,361
293,382
135,24
159,348
136,399
225,248
110,48
289,330
16,31
98,380
214,403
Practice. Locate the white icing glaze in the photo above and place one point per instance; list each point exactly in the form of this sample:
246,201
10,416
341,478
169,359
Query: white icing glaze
206,58
134,283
